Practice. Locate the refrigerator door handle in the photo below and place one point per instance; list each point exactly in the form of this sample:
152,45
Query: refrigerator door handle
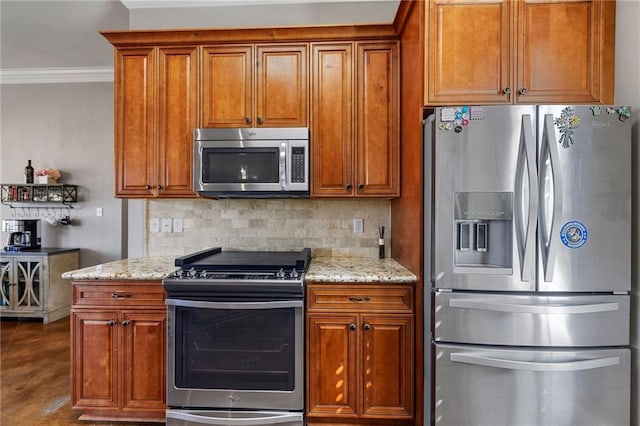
533,309
486,360
549,160
525,230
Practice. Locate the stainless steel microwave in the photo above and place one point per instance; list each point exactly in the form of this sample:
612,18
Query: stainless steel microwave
251,162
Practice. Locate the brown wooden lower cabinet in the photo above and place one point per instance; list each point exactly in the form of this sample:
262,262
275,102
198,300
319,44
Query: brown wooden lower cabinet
118,346
360,354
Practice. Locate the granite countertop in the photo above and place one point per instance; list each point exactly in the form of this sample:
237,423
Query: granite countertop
321,269
358,270
143,268
44,251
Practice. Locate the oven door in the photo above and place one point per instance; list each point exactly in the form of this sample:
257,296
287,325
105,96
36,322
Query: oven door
230,355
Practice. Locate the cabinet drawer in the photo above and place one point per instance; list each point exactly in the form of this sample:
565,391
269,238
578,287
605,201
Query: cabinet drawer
360,298
131,293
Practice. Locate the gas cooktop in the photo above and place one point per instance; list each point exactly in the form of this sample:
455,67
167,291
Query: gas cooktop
216,264
217,259
235,274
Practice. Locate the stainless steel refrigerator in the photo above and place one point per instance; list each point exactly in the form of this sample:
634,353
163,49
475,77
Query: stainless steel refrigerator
528,248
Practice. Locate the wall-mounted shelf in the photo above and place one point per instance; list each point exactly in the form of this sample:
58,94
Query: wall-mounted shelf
38,194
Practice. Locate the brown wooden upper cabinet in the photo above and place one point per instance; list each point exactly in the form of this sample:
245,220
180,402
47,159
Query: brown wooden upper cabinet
519,51
355,119
261,85
155,114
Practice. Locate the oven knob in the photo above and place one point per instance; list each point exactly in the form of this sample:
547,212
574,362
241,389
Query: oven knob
203,274
178,273
192,273
281,274
294,274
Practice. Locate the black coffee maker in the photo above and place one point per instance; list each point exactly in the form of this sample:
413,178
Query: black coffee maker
23,234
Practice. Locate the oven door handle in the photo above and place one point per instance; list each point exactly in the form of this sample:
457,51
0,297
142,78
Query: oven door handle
236,305
209,418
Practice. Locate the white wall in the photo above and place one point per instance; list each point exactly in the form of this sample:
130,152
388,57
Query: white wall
628,93
67,127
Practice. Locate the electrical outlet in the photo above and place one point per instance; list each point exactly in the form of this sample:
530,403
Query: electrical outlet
358,226
165,224
99,211
177,224
154,224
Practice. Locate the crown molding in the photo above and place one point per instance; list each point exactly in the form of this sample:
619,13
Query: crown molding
56,75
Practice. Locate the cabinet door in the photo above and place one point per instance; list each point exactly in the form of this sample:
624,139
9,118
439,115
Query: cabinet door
227,76
135,122
6,280
281,86
177,117
332,123
94,364
144,348
28,285
469,55
559,48
331,365
387,356
377,138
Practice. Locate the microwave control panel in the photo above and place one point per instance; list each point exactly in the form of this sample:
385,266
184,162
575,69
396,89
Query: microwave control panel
297,165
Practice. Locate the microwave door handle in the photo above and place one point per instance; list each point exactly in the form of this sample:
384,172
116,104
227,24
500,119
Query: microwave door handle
284,182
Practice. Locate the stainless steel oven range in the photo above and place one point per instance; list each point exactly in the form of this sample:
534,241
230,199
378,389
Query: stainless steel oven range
235,338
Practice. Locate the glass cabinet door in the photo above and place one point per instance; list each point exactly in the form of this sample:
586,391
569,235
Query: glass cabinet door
28,289
5,288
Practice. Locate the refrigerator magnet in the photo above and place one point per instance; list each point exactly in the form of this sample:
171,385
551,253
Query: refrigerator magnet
574,234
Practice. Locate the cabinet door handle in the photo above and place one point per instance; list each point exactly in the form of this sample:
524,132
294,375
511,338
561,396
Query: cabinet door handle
259,120
367,327
120,295
522,91
507,90
149,186
352,327
125,323
159,186
248,120
111,323
359,298
349,187
360,186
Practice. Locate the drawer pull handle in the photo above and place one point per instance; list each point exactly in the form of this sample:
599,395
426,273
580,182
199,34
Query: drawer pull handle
359,298
120,295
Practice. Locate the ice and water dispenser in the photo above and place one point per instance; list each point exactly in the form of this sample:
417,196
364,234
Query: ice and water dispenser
483,232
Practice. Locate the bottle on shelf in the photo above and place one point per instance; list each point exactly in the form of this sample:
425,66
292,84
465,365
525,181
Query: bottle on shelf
28,172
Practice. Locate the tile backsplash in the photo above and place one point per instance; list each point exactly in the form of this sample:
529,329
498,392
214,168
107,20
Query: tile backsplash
326,226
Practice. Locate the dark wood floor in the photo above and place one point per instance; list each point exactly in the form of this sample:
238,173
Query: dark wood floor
34,374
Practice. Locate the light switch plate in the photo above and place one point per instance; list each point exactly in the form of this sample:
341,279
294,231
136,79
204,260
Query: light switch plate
177,224
154,224
358,226
165,224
